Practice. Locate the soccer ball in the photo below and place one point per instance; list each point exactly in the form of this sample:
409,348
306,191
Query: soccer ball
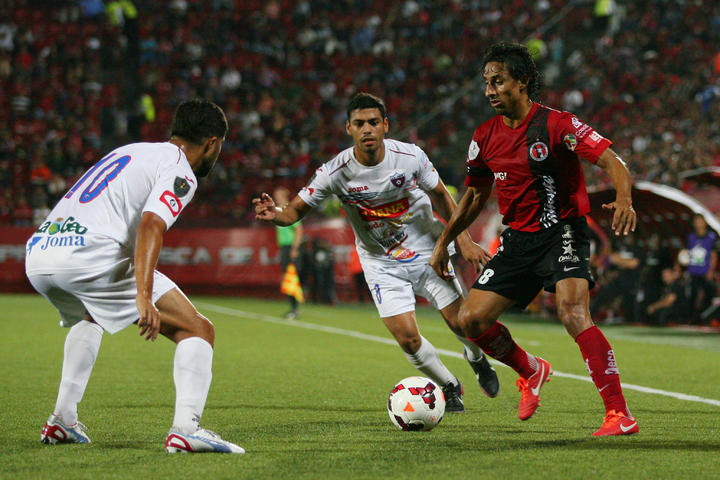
416,403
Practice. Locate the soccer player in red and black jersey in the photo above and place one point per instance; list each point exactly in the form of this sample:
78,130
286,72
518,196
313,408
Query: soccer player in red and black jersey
531,153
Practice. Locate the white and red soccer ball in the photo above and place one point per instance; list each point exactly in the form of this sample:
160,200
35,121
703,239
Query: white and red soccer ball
416,403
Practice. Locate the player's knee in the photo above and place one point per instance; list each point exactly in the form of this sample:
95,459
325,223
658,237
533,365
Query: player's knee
574,315
471,320
204,328
409,343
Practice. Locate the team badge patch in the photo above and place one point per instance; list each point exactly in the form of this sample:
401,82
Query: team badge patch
570,141
172,202
398,180
181,187
539,151
473,150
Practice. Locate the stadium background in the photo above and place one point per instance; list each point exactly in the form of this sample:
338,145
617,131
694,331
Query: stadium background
80,77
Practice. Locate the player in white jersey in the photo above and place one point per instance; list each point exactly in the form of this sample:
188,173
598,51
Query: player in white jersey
94,259
386,188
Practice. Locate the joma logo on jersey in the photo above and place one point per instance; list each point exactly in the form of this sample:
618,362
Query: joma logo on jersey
69,225
172,202
388,210
358,189
60,241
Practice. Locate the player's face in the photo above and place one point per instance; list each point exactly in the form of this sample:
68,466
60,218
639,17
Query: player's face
210,155
367,127
505,93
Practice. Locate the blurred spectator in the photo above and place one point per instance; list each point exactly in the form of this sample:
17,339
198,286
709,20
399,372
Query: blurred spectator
74,80
671,306
625,262
702,247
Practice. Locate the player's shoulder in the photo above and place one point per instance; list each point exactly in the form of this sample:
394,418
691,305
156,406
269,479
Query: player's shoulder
486,128
336,164
152,151
402,148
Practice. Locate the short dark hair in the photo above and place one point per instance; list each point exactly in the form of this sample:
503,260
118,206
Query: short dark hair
366,100
518,61
197,120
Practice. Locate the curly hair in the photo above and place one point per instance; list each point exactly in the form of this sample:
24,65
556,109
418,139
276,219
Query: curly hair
518,61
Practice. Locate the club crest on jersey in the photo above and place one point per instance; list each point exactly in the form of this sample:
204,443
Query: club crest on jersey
398,179
539,151
570,141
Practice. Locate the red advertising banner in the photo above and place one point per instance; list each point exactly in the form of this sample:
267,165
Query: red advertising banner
242,261
236,261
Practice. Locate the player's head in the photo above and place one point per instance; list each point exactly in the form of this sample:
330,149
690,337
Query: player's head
510,76
203,124
700,224
367,121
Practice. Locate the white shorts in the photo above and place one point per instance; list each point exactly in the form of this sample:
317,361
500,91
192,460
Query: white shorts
107,294
394,286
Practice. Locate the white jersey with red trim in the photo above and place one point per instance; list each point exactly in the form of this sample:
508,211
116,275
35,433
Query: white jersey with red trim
95,223
386,204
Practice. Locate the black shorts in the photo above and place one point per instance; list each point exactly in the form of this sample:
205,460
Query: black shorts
529,261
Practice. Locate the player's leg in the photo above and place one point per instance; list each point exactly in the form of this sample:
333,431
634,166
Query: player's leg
505,282
194,335
573,300
473,354
80,352
424,356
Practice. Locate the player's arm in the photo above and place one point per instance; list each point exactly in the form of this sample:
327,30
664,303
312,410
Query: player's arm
446,206
466,212
148,241
266,210
624,216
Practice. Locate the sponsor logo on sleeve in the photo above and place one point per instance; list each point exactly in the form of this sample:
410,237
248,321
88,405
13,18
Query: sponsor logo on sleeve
181,186
173,202
570,141
473,150
593,139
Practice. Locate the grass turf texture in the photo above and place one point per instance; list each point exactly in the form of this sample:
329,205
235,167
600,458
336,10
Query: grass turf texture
308,403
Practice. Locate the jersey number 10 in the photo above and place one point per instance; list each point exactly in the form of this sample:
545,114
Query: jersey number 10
102,173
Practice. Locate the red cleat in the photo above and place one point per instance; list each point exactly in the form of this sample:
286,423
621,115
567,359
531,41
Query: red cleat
617,423
530,389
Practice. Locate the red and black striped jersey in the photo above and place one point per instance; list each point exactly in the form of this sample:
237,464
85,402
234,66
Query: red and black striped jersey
536,166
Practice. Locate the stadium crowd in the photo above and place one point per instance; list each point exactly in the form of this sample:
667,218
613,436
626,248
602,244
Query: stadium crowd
78,77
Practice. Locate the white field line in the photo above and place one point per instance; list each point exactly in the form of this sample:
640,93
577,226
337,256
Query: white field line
373,338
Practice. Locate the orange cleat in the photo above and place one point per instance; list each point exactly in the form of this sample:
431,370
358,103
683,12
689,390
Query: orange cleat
530,389
617,423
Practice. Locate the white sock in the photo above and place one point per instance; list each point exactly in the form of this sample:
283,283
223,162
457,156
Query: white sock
427,360
81,348
192,373
473,352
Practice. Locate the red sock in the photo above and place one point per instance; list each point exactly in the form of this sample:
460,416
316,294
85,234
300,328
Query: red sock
498,343
600,362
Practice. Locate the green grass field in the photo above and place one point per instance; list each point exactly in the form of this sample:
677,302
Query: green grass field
307,399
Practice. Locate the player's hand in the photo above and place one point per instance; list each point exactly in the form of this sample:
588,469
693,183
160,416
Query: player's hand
439,261
473,253
624,218
149,321
264,208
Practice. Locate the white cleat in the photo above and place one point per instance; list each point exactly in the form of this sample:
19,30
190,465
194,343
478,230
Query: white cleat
198,442
55,431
